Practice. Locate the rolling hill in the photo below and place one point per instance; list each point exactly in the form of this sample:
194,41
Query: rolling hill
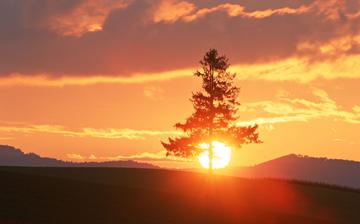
305,168
123,195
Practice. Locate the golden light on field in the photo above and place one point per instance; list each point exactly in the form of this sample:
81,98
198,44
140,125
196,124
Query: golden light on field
221,158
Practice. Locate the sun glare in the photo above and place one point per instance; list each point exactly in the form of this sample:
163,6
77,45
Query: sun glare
221,158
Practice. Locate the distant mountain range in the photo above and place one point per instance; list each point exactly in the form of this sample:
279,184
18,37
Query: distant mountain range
10,156
294,167
304,168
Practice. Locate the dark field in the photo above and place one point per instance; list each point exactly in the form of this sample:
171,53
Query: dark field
115,195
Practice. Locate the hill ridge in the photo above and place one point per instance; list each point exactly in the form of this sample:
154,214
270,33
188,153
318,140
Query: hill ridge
11,156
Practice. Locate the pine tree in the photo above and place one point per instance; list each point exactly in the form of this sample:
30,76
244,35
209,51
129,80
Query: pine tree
215,112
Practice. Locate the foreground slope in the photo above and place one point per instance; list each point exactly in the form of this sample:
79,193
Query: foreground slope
113,195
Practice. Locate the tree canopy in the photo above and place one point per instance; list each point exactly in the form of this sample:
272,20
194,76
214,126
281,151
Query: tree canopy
215,111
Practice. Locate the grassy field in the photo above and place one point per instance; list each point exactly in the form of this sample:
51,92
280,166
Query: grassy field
115,195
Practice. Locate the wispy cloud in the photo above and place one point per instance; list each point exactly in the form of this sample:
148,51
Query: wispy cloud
48,80
108,133
74,156
300,69
292,69
5,138
169,11
172,11
301,110
335,49
143,156
88,16
273,120
154,93
234,10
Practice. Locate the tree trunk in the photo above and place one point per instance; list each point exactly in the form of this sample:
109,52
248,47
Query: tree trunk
211,156
211,153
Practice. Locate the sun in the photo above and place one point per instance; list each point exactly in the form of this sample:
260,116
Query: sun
222,155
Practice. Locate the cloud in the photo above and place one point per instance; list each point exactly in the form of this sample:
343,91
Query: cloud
88,16
234,10
154,93
332,10
161,155
109,133
48,80
150,37
356,108
5,138
337,48
170,11
272,120
74,156
300,69
143,156
292,69
301,110
92,157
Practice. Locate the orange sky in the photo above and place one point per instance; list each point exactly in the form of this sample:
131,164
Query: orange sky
98,80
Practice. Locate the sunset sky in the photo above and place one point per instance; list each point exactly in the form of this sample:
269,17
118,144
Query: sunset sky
90,80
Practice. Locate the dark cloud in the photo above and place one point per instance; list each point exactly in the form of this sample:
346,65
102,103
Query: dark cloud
131,42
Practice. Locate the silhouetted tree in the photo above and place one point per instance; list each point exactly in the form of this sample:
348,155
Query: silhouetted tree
215,112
